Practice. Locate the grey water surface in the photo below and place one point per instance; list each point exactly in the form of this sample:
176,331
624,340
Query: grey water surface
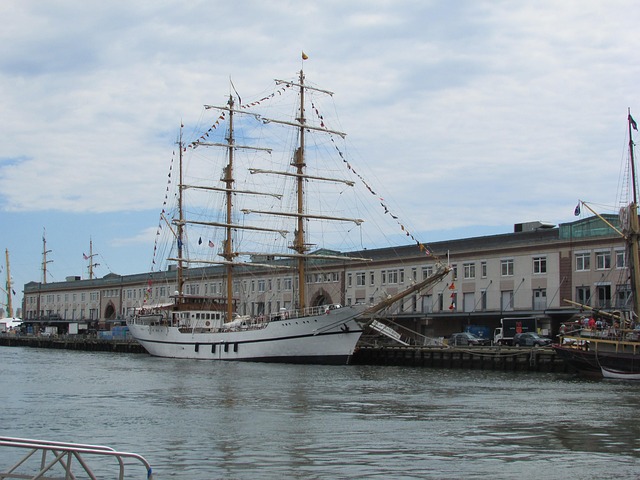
203,420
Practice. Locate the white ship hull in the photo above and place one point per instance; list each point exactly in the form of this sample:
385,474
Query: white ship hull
328,338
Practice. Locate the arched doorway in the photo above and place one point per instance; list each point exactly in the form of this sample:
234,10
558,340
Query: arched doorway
110,312
321,298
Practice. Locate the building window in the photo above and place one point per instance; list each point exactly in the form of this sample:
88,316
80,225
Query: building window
483,300
360,279
604,296
506,267
623,296
372,278
603,260
469,271
621,261
483,269
427,272
392,276
583,262
539,265
583,295
454,271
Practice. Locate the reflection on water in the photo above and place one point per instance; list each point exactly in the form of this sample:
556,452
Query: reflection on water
203,420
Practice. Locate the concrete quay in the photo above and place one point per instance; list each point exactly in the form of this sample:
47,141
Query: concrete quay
471,358
87,343
513,359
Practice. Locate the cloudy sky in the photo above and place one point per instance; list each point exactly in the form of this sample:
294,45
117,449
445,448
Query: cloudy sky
469,115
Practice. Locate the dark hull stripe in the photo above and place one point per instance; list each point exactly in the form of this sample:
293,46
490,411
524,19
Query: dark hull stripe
302,359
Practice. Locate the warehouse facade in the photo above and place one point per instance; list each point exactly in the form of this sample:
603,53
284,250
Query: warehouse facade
529,272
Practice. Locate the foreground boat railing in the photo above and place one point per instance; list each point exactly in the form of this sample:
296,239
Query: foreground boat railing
52,454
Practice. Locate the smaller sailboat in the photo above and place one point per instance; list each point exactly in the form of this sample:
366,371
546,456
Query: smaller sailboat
614,352
211,327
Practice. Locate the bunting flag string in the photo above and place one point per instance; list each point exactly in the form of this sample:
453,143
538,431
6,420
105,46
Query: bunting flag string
280,91
147,294
222,116
423,248
205,135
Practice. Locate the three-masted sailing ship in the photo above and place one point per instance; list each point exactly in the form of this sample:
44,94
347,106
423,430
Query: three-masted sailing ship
208,327
613,352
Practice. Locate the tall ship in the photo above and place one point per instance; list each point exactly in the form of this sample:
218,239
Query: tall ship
277,211
605,342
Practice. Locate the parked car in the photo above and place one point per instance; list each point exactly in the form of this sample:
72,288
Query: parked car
530,339
467,339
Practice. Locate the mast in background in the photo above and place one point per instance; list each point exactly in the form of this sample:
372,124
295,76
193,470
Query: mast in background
90,258
44,257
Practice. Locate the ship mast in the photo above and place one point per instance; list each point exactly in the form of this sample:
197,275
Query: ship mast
9,287
299,162
634,227
227,253
180,226
229,190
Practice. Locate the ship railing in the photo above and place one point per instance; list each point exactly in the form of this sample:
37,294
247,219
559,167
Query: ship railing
47,457
305,312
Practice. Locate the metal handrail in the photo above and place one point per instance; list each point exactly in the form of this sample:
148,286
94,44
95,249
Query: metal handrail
63,453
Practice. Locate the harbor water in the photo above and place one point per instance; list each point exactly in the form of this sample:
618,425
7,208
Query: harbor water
206,420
